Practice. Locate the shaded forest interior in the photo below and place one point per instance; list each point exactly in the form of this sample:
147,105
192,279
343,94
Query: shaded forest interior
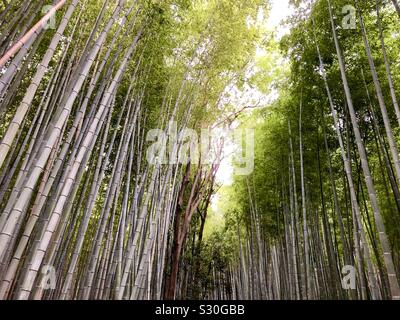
93,206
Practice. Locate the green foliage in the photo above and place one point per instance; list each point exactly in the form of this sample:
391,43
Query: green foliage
267,186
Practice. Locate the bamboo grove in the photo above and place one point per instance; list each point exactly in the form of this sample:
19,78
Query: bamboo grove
323,198
77,100
85,214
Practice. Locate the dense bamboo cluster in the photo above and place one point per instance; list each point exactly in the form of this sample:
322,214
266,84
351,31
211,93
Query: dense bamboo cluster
321,205
78,196
92,207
